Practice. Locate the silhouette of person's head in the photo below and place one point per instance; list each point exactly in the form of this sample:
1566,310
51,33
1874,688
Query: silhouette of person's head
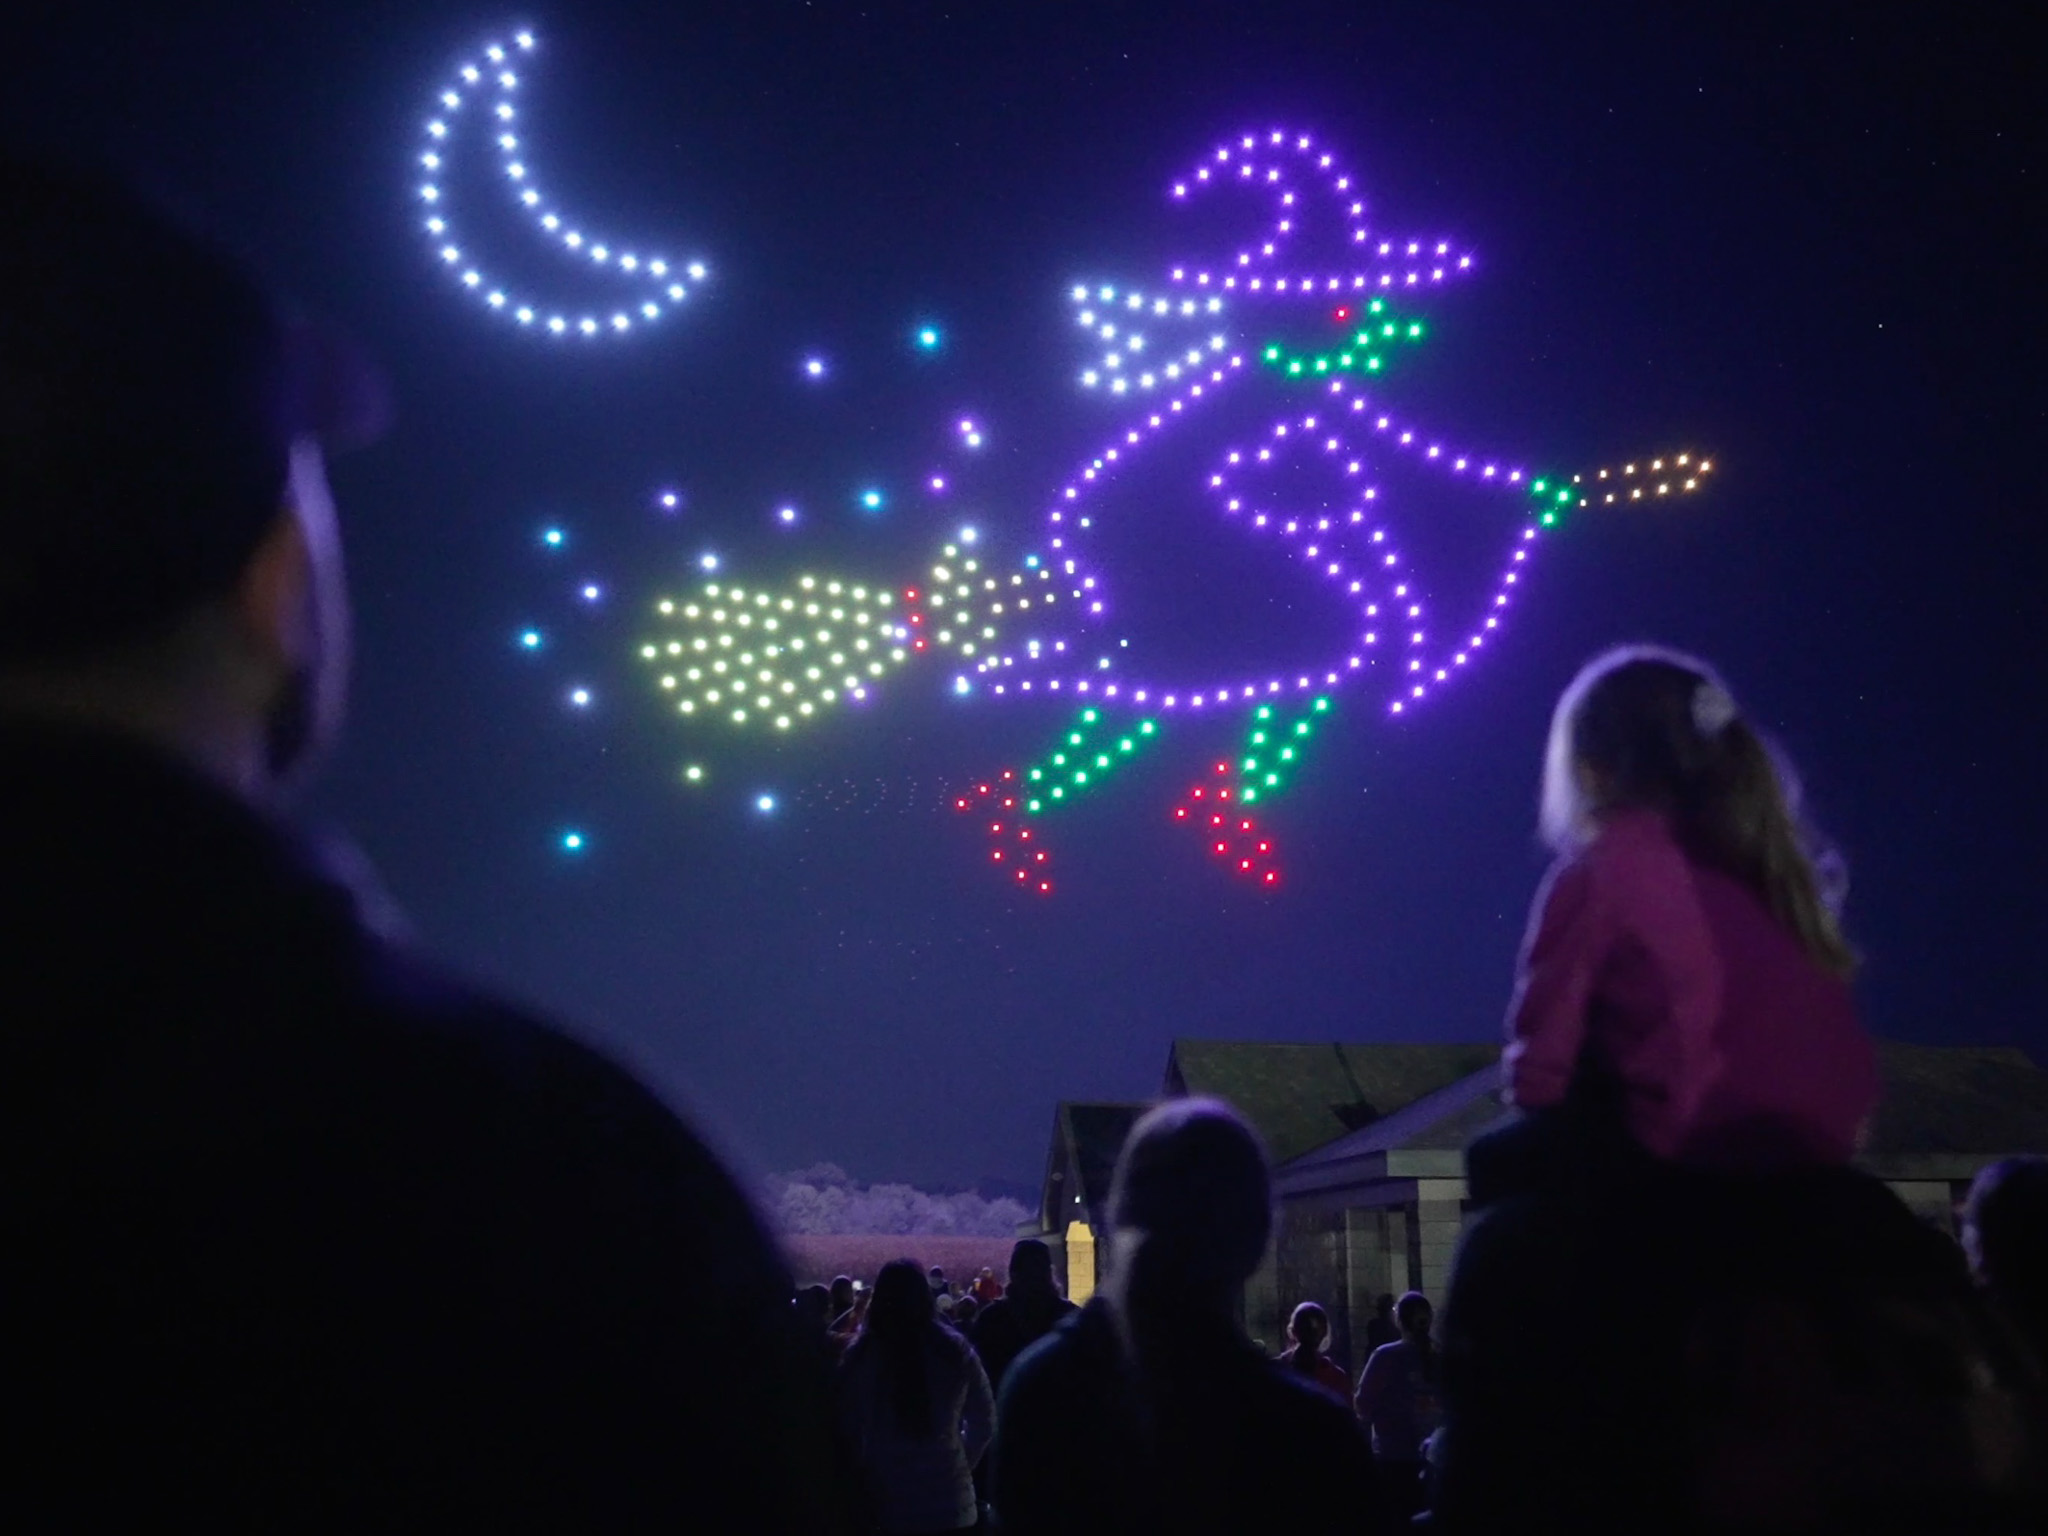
1190,1207
1030,1266
842,1294
901,1302
173,567
1309,1327
2005,1234
1413,1316
1383,1305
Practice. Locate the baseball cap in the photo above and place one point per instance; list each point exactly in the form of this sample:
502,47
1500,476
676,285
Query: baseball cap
151,391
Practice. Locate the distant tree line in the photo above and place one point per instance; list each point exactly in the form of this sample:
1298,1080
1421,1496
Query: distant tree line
825,1200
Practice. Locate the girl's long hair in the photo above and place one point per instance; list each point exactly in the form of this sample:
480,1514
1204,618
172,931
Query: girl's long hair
1642,727
903,1332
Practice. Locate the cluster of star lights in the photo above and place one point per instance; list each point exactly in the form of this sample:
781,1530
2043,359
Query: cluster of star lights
763,657
487,88
1218,807
783,657
1172,351
1152,353
1087,753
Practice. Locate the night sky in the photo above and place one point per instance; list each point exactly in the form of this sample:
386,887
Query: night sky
1810,244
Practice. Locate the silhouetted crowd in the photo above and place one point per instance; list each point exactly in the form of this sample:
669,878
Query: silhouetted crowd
1810,1357
303,1234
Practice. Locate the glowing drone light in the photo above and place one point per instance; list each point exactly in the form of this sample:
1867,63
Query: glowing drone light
778,659
1172,351
653,284
1347,544
785,658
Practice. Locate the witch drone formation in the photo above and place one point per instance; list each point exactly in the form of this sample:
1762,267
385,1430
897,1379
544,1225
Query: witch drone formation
1283,443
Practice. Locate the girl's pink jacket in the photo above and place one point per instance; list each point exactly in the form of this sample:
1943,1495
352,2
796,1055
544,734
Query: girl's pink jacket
1733,1046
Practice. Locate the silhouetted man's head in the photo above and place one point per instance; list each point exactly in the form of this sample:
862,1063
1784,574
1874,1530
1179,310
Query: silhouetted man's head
1191,1204
1030,1263
172,565
1413,1315
2005,1231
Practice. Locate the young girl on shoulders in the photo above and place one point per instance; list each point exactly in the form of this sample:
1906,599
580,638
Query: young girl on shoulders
1684,986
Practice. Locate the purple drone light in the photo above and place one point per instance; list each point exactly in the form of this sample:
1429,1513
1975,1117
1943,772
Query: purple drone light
1184,348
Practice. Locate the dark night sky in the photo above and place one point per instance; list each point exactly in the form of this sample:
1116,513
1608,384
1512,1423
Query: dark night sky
1808,239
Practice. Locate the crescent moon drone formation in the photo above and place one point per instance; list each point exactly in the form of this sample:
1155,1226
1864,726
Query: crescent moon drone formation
751,656
482,98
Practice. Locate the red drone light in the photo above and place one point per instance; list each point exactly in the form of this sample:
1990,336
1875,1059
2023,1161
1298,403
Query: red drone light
1342,312
1022,854
1234,837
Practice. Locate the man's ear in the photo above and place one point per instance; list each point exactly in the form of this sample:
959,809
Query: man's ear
273,596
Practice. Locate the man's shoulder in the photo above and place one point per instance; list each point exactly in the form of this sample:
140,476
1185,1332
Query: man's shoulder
1296,1414
503,1073
1081,1344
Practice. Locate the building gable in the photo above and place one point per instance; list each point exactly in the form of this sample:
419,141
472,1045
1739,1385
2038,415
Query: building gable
1301,1096
1086,1141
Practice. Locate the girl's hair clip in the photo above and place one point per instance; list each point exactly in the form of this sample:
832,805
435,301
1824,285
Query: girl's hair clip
1713,709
